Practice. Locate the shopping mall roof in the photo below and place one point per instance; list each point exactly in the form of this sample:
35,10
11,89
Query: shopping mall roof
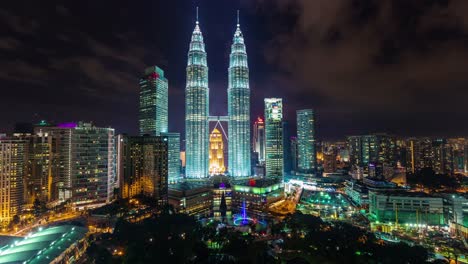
42,246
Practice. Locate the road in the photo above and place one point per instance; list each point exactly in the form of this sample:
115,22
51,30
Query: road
42,221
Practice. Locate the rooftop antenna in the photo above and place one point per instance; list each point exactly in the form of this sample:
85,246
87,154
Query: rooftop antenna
197,15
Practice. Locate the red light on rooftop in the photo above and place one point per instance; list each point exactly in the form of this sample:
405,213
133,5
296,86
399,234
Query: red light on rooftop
153,75
252,182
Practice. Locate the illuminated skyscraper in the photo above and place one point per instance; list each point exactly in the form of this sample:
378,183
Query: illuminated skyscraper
196,108
12,174
274,138
153,102
239,108
259,139
306,140
216,153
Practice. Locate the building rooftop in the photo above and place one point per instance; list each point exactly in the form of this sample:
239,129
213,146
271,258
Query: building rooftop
43,246
406,194
255,182
189,185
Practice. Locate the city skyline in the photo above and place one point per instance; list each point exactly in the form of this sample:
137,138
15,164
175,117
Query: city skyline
106,86
247,131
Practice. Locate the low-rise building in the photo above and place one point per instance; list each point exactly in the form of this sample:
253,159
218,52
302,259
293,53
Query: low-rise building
357,192
257,194
402,207
56,245
192,198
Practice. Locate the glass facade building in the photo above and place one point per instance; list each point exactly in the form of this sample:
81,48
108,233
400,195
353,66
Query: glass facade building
239,109
274,138
153,111
173,151
196,108
307,160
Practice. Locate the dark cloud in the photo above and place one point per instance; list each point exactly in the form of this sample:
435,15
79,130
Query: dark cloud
380,55
17,23
364,65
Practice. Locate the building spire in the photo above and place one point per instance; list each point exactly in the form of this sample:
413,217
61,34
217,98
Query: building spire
238,24
197,15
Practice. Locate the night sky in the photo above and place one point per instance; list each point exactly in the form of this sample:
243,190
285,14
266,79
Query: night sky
397,66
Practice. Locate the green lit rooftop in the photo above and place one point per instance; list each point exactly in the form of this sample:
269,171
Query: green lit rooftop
42,246
258,187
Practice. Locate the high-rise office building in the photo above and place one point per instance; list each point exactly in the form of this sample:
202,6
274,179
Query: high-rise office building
85,160
196,108
259,139
274,138
143,167
173,151
12,174
307,159
153,115
238,108
216,153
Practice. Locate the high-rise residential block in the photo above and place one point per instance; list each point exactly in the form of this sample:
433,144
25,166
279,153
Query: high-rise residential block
196,108
239,109
143,167
274,138
443,156
294,153
12,175
307,160
85,160
41,168
438,154
372,151
153,111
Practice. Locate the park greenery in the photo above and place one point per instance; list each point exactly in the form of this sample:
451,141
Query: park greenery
299,238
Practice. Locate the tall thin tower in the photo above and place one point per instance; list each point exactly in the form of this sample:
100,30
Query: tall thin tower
307,161
239,108
196,108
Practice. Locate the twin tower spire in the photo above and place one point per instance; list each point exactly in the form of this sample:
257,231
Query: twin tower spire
197,108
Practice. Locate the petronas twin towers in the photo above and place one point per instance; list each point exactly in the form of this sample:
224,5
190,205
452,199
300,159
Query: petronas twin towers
197,108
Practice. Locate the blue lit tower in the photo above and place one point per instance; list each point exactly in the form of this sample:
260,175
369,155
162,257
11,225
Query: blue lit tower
196,108
238,108
274,154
